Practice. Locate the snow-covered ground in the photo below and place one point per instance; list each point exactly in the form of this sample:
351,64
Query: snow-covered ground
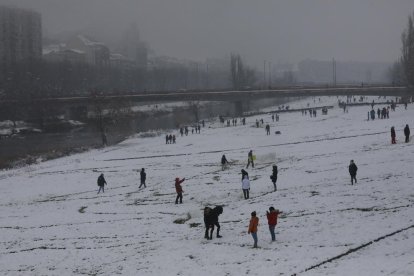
52,222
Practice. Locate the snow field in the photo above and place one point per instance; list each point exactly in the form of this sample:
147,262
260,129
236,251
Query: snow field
53,222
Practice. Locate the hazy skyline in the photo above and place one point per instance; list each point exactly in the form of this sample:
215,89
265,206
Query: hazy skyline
272,30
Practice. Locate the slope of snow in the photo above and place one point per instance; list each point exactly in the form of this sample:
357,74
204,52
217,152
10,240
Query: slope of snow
53,222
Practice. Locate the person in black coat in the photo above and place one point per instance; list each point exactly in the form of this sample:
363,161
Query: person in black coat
353,171
407,133
101,183
143,178
211,220
273,177
224,162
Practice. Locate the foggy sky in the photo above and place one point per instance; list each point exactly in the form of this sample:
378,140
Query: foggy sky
272,30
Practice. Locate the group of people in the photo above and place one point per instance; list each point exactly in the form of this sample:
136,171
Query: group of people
211,219
406,134
272,216
233,121
211,215
383,113
170,139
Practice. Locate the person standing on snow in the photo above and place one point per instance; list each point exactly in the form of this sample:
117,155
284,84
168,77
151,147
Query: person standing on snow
273,177
353,171
253,225
250,159
224,162
267,129
272,221
101,183
407,133
211,220
143,176
246,187
393,135
179,190
244,173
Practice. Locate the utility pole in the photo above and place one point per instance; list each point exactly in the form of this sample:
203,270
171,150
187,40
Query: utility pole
334,71
207,76
264,74
270,74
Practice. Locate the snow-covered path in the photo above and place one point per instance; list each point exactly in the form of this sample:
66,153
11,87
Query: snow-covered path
53,222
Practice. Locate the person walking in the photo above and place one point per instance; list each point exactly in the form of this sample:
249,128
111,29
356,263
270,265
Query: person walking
211,220
143,175
267,129
101,183
179,190
253,225
353,171
273,177
250,159
407,133
246,187
393,135
272,221
224,162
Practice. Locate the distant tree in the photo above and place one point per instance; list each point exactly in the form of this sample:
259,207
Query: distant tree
407,58
241,76
195,109
396,74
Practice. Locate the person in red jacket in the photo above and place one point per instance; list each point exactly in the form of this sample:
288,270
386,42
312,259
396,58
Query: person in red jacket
272,221
393,135
179,190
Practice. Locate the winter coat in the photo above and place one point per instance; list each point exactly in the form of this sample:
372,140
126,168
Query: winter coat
272,217
246,184
250,156
273,177
224,160
178,187
392,132
143,176
254,223
407,131
211,215
353,169
101,180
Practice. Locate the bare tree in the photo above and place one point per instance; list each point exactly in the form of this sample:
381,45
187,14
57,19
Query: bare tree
241,76
407,58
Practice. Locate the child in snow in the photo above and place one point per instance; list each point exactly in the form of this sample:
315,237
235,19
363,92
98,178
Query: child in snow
101,183
246,187
353,171
273,177
143,176
250,159
179,190
272,221
254,223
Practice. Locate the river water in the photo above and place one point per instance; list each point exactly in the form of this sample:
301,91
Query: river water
25,149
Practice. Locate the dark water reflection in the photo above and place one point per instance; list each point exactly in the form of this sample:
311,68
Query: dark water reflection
88,136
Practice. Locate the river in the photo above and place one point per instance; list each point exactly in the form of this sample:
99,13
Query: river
26,149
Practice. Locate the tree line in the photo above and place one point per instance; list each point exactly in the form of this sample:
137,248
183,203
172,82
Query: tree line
402,71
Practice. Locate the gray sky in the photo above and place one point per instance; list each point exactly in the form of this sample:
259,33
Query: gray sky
273,30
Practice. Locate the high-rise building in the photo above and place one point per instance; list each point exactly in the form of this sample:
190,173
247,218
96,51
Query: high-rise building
20,35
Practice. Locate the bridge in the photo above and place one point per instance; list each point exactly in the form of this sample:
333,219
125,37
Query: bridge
400,91
77,105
